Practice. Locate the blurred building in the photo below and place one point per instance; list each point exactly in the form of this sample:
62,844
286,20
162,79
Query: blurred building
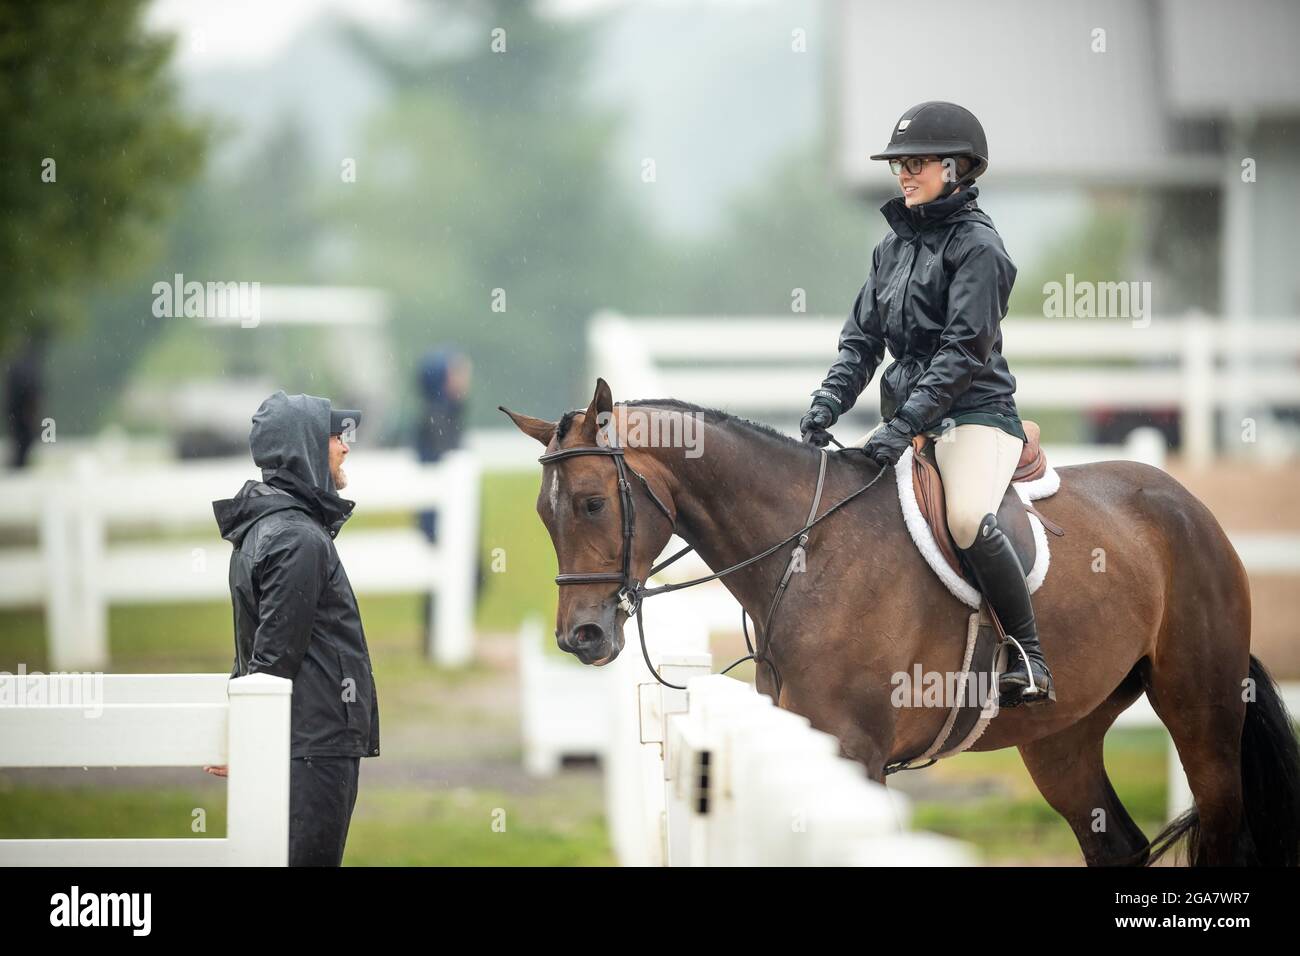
1166,99
1184,92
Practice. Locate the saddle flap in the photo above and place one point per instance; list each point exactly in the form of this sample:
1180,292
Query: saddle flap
929,496
1013,518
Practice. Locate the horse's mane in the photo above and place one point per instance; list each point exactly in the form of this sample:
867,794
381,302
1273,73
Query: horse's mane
714,416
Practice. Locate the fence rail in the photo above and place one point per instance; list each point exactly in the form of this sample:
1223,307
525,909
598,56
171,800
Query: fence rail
767,364
173,720
78,569
714,775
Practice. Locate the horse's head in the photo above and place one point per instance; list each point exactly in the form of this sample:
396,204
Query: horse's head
582,507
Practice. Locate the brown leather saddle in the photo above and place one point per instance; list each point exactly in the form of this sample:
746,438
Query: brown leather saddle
1013,513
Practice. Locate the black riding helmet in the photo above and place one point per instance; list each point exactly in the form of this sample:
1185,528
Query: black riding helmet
937,128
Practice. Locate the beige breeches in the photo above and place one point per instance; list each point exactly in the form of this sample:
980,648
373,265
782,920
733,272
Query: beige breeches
976,462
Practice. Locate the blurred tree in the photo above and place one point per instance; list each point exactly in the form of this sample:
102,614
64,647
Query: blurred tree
793,245
484,200
92,152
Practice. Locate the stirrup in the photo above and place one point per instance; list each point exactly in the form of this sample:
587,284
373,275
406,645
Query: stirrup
1025,699
1033,692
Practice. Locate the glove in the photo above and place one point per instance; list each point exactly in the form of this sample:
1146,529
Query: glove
886,445
812,427
824,413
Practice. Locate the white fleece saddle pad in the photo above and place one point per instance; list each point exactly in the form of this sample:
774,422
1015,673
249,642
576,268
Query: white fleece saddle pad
1043,487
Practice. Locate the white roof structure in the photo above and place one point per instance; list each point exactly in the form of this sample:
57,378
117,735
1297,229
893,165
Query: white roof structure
1053,108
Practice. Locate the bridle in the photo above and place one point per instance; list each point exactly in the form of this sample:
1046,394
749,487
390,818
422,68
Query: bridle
630,589
632,592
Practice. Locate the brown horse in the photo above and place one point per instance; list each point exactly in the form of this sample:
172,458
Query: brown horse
1145,594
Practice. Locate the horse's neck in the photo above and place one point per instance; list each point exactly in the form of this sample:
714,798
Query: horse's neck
737,500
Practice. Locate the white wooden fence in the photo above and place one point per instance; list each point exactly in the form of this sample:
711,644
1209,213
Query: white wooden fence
76,570
1195,365
618,713
714,775
561,704
157,720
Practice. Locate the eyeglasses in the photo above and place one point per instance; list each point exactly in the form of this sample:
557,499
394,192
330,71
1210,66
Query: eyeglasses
913,164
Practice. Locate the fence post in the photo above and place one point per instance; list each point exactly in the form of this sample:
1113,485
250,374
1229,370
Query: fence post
72,538
257,795
1147,445
677,668
61,604
450,643
617,352
1198,392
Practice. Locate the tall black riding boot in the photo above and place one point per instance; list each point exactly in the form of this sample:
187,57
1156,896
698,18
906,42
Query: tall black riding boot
993,560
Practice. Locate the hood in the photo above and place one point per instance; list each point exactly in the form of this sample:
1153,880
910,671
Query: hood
290,443
908,223
254,501
433,374
291,437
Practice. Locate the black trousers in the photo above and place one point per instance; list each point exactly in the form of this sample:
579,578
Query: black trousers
322,793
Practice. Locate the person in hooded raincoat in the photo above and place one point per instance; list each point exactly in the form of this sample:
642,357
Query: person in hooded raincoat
295,615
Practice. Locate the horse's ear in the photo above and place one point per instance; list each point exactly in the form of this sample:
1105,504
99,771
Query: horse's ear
537,428
598,412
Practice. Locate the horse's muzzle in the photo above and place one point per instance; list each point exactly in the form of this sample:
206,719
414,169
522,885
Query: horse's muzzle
592,642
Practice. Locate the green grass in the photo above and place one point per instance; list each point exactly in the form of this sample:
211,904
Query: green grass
1018,824
407,827
401,826
80,812
519,561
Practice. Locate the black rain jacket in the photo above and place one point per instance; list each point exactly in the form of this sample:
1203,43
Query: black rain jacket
936,297
295,613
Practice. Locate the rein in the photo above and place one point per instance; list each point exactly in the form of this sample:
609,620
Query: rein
632,593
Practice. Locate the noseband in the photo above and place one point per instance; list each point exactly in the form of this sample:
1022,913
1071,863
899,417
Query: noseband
631,592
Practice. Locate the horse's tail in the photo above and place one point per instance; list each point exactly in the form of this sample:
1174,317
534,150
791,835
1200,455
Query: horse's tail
1270,780
1270,773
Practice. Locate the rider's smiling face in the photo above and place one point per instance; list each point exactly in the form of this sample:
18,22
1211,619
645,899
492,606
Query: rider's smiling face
923,186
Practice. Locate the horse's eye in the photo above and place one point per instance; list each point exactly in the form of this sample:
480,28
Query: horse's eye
594,505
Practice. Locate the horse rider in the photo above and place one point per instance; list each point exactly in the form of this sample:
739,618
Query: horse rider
936,295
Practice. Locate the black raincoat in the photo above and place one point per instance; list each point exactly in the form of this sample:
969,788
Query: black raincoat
936,296
295,613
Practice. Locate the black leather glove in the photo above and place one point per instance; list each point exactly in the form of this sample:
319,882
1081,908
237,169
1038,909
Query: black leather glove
887,444
812,427
824,413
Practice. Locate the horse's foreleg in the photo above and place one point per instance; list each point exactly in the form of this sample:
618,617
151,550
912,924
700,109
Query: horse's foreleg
864,730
